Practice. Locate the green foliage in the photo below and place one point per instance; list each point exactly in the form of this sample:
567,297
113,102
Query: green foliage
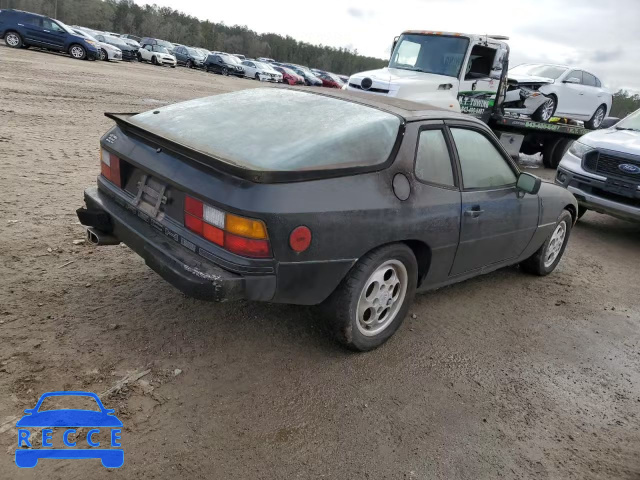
125,16
624,103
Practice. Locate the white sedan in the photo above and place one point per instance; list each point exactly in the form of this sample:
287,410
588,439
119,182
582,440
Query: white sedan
261,71
107,52
544,91
156,54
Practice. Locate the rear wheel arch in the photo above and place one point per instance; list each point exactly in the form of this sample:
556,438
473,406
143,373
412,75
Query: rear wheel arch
422,252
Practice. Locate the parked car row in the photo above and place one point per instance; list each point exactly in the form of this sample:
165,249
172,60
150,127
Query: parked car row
22,29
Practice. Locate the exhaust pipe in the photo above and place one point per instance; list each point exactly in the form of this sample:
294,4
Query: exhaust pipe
100,238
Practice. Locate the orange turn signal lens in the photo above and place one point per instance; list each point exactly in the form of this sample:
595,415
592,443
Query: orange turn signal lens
245,227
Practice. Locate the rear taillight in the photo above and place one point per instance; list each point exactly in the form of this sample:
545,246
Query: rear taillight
110,167
243,236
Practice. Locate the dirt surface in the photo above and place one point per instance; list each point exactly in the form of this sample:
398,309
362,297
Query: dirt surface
504,376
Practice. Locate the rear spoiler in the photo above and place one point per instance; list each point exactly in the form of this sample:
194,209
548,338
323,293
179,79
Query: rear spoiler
223,165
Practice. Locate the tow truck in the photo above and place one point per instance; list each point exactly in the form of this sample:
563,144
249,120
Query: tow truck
466,73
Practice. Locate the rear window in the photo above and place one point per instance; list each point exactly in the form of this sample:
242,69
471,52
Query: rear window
272,129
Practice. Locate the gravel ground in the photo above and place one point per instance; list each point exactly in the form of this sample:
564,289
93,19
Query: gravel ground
506,375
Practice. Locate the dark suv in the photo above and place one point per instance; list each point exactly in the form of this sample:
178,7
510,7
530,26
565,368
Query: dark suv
189,57
24,29
223,64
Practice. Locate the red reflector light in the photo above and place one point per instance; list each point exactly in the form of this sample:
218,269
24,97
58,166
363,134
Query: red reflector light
247,247
194,224
300,239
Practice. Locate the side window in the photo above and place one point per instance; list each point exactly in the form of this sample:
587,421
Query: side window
482,164
35,21
577,74
598,83
147,47
588,79
433,163
480,62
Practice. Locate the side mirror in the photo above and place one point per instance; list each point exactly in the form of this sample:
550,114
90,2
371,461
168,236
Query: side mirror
572,80
528,183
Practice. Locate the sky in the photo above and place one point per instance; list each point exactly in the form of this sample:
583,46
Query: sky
598,35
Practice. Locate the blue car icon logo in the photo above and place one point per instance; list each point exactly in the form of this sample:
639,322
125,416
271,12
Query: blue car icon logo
71,419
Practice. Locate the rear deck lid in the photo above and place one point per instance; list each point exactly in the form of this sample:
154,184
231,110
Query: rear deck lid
278,130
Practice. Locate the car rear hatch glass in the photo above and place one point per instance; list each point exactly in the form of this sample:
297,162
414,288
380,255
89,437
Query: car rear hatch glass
277,130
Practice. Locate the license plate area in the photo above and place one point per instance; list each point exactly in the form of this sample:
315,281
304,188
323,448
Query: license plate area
151,196
620,187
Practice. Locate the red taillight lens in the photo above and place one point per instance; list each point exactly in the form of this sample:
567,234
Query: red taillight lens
247,247
193,206
196,225
300,239
110,167
217,226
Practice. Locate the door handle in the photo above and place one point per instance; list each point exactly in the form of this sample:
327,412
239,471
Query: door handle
473,212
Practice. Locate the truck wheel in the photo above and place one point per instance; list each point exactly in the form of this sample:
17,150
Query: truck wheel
548,148
371,302
545,111
13,40
597,118
558,152
545,260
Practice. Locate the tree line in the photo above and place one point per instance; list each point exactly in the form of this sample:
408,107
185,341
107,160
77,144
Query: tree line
125,16
624,103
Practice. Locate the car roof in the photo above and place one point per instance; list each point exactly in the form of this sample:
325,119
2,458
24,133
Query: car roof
408,110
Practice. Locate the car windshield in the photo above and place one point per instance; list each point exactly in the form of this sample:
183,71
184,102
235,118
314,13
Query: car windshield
132,42
115,41
289,71
63,402
194,52
248,129
65,27
165,44
231,59
160,49
631,122
546,71
84,34
266,67
437,54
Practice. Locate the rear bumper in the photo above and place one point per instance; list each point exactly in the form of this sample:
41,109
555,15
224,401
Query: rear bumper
180,267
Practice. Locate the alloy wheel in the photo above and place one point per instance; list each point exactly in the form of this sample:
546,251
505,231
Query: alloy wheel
598,117
382,297
103,55
77,51
12,40
547,109
555,244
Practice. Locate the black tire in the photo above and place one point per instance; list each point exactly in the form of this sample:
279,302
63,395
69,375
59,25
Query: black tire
535,264
548,148
103,55
545,112
77,52
154,60
257,77
189,64
597,118
342,304
139,55
558,152
173,66
13,40
225,71
581,211
530,148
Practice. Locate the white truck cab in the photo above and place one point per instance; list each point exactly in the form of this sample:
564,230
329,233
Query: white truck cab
454,71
